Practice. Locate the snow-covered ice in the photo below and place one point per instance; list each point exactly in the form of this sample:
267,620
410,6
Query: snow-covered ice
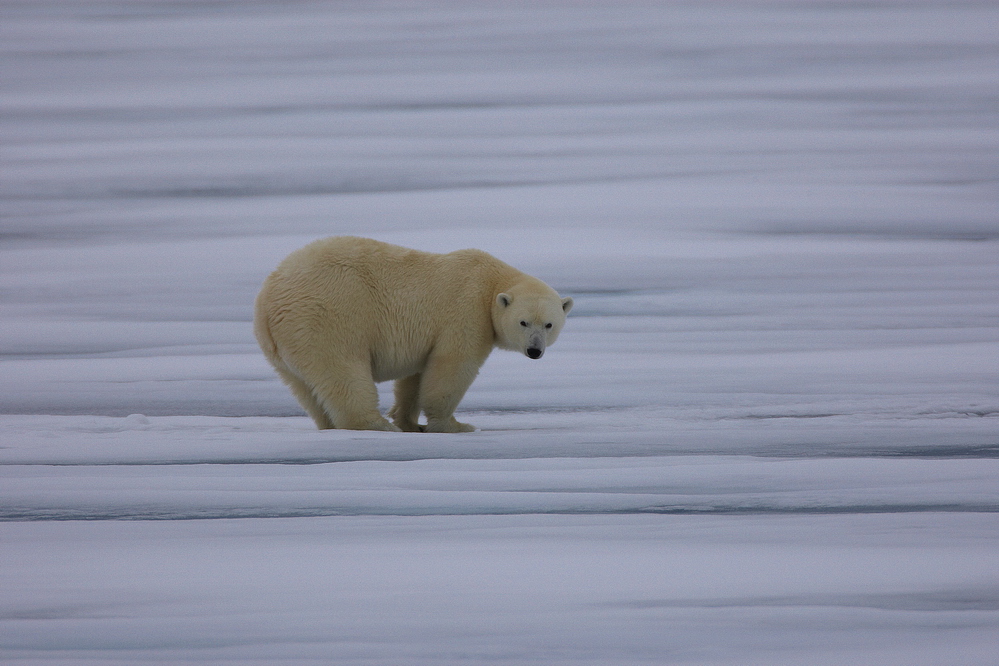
769,433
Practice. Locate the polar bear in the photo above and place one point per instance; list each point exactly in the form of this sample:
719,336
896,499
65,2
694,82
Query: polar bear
343,313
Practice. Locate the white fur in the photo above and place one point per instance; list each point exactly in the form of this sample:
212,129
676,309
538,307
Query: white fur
343,313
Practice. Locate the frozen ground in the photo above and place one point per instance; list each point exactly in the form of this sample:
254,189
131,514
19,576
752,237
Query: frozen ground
768,435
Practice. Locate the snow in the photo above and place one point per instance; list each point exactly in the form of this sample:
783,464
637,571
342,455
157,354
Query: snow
767,435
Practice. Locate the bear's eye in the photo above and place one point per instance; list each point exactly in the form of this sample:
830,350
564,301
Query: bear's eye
524,324
548,325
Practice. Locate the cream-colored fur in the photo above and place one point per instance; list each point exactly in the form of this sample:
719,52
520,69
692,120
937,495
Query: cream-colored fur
343,313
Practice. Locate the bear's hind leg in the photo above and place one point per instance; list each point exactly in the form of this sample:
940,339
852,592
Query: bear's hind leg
351,398
406,411
305,397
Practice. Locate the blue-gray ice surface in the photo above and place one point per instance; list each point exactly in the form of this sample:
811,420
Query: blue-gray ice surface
769,433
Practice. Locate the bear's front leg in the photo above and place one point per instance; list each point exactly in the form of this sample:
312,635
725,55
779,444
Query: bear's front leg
443,385
405,413
447,425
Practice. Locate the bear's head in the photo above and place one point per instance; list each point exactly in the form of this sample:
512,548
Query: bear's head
528,317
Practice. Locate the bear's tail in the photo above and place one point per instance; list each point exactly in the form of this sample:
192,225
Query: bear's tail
262,330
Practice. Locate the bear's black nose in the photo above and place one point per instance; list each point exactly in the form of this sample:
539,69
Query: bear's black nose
535,353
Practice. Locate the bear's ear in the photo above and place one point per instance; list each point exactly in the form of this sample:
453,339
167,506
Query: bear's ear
567,304
504,300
